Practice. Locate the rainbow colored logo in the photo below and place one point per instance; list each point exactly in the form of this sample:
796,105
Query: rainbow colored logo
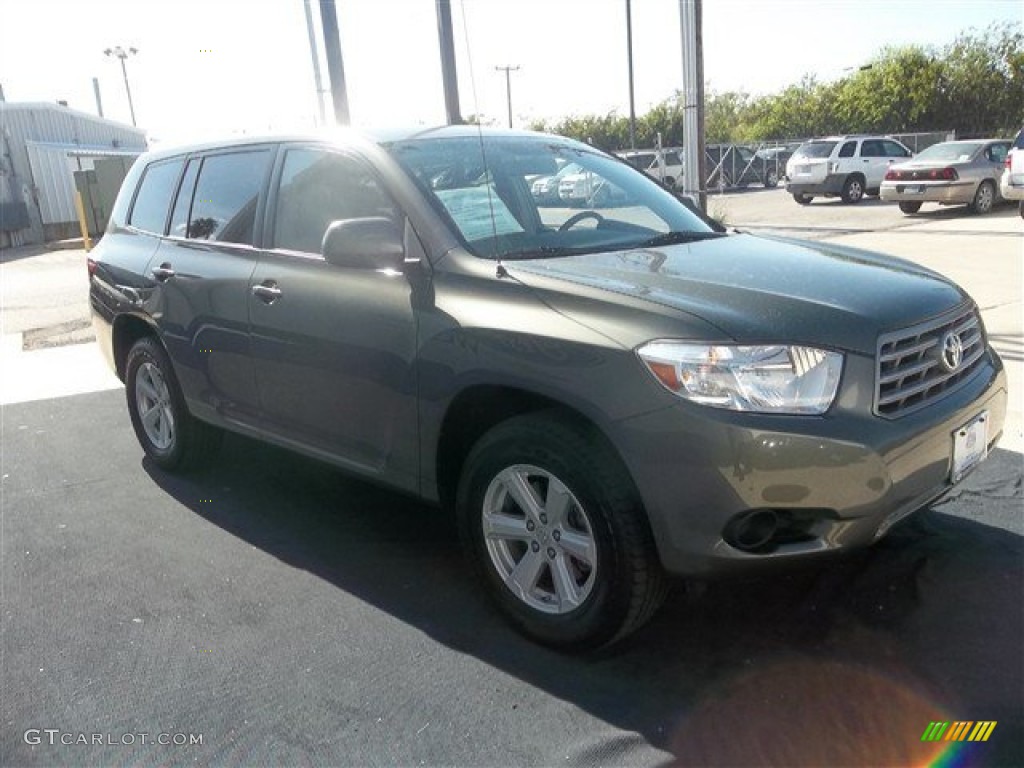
962,730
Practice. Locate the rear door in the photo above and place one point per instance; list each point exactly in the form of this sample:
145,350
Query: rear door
203,269
333,347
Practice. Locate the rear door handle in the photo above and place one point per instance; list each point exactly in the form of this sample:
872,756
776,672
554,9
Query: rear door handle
163,273
267,291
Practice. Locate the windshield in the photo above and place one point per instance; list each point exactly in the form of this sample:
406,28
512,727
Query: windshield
949,151
816,149
602,205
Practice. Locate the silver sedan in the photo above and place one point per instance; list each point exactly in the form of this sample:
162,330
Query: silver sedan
950,173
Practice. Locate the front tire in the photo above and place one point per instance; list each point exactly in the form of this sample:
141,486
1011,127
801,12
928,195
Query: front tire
553,525
171,437
984,198
910,207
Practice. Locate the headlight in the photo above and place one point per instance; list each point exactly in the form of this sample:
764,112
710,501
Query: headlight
765,379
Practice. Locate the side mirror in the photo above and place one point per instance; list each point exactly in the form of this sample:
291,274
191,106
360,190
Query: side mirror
373,242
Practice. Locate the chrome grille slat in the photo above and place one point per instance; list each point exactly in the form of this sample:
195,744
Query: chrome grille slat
909,372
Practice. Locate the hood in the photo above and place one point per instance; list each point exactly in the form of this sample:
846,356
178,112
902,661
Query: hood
757,289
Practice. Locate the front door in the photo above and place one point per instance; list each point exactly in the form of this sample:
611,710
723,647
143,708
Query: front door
333,346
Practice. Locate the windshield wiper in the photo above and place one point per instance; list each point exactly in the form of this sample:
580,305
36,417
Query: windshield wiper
674,238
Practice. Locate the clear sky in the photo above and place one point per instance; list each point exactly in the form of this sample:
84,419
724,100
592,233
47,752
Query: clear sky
209,67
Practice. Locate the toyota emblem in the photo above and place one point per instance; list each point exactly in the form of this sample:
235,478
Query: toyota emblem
952,351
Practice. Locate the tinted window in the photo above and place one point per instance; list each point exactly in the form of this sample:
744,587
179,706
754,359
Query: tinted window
319,187
224,205
849,149
1018,143
872,148
154,197
815,149
182,206
997,152
892,149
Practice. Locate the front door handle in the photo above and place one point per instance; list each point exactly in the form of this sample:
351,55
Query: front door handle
163,273
267,291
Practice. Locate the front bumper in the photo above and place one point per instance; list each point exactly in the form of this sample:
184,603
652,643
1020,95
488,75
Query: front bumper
945,192
846,477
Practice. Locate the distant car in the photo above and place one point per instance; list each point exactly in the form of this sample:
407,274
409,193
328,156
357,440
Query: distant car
646,160
775,158
730,165
842,166
950,173
1011,184
588,188
545,188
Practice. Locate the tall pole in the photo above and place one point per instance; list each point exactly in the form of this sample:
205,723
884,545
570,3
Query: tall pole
449,77
122,54
508,88
335,67
694,163
629,58
96,90
316,61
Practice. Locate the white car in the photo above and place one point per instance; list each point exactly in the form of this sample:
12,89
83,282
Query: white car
1011,184
668,169
842,166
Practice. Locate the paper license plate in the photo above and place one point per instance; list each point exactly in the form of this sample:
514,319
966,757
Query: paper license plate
970,446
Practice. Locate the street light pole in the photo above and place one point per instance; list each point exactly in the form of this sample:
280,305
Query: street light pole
123,54
508,88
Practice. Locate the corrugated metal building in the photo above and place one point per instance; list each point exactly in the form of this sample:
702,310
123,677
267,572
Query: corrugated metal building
41,146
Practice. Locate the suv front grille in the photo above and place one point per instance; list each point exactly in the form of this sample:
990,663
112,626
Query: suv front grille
913,366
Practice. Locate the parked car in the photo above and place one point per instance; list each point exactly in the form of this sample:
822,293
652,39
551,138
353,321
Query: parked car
732,165
775,158
668,169
1011,183
603,398
544,188
586,187
845,166
949,173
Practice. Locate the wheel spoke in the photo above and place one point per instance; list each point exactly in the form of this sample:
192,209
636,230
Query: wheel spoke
565,585
165,428
150,418
145,386
499,526
524,576
557,502
580,546
521,492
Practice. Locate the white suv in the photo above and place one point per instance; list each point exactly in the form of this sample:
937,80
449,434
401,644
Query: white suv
665,165
1011,185
845,166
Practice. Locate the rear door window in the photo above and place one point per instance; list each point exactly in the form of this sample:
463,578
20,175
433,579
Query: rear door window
224,204
849,149
153,200
872,148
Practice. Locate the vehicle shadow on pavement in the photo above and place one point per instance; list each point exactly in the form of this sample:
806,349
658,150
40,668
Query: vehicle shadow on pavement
845,663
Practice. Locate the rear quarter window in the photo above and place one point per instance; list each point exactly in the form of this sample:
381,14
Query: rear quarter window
153,200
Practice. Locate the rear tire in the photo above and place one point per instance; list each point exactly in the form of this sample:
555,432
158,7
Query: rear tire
172,438
552,524
802,199
771,179
910,207
984,198
853,189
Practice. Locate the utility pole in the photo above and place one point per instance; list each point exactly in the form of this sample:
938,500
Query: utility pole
508,87
96,90
335,68
629,58
122,54
446,39
316,61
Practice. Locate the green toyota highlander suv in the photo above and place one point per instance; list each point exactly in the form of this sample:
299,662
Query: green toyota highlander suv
603,396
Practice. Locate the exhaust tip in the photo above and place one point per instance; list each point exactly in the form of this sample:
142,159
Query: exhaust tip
753,531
